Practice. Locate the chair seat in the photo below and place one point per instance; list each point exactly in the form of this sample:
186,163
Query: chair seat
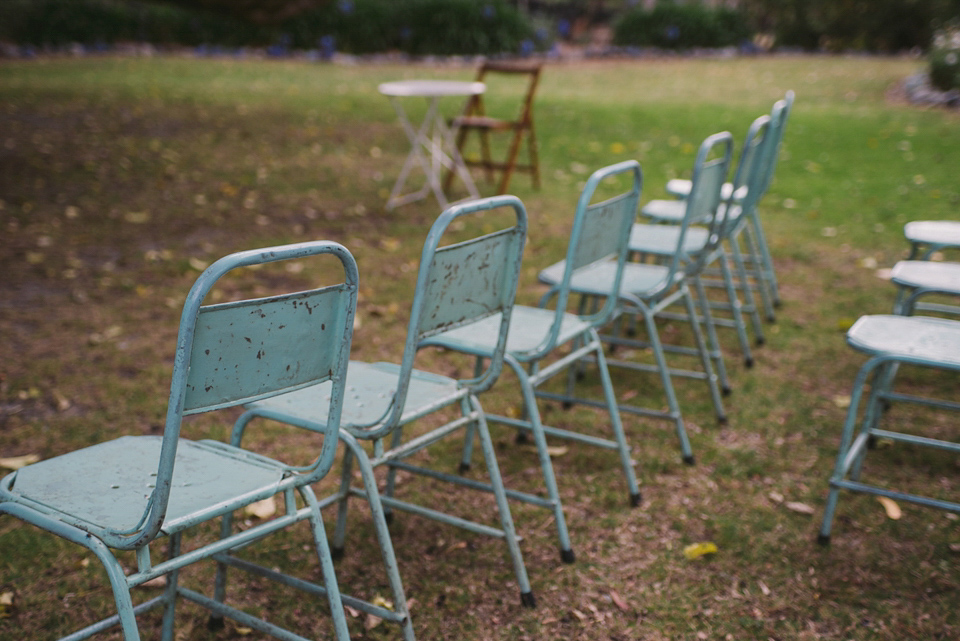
369,394
528,330
944,277
639,279
119,477
661,240
672,211
920,340
680,187
933,232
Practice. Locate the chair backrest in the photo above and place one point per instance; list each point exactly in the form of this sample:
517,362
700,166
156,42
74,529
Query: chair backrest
601,232
710,170
778,124
232,353
508,69
751,171
462,283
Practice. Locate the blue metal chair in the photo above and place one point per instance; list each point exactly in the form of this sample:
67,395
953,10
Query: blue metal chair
131,492
890,341
647,289
756,251
537,334
458,285
660,241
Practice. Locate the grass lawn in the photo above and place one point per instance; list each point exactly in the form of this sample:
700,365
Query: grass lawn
120,179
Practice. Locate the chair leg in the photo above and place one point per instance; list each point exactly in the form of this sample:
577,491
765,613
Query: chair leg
326,565
510,161
467,456
506,520
622,447
705,358
769,276
744,281
534,159
346,477
546,465
736,308
215,622
672,405
379,517
170,592
713,342
846,440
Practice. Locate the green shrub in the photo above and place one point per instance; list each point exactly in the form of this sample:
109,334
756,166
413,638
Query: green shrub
56,23
945,58
672,26
417,27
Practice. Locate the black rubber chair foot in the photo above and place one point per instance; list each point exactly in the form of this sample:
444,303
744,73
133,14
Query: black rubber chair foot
521,438
823,539
464,468
567,556
726,391
336,553
689,460
215,623
748,362
761,342
388,517
528,600
566,405
722,420
778,304
636,499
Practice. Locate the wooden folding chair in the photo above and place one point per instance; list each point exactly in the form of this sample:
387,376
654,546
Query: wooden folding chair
476,118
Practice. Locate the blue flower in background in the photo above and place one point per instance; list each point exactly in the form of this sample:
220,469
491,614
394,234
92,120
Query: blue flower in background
345,6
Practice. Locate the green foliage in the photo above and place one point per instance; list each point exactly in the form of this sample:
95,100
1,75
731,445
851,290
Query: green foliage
886,26
945,58
419,27
672,26
55,23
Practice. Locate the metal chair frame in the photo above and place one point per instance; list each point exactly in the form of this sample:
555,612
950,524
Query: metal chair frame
890,341
647,290
755,254
140,489
659,242
537,334
458,285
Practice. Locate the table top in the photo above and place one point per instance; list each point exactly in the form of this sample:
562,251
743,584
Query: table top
431,88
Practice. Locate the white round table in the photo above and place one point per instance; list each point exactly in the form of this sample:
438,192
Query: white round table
434,136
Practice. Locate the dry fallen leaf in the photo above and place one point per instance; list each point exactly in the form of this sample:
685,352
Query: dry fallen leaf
618,601
16,462
158,582
262,509
796,506
891,507
7,605
842,401
696,550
